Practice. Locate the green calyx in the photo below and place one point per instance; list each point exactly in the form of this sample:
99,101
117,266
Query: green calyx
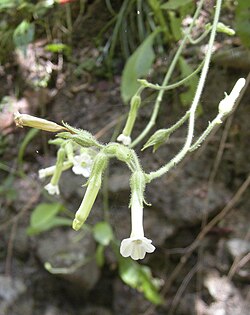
81,137
160,137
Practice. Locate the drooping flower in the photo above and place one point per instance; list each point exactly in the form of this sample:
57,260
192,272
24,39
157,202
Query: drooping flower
82,164
52,189
137,245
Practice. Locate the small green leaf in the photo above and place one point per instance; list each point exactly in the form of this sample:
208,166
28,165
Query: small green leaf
175,24
99,255
103,234
175,4
59,48
24,34
54,222
138,65
43,215
242,19
44,212
140,278
7,4
187,96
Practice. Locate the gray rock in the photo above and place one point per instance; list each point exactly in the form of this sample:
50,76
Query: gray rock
238,247
10,290
70,255
184,203
95,310
227,299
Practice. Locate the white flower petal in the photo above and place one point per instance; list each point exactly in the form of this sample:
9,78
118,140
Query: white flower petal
42,173
86,171
126,140
82,165
136,247
148,247
126,247
138,251
52,189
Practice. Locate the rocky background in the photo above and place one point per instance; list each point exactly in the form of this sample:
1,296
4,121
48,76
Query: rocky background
198,221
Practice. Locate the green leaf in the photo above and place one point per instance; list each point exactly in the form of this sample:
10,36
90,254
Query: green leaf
175,4
8,4
242,19
99,255
102,233
187,96
140,278
59,48
44,217
175,24
24,34
54,222
137,66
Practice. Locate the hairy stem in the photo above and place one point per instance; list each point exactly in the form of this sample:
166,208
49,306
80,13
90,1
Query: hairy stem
194,105
166,80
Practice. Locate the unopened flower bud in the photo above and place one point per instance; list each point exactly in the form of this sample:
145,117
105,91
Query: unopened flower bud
35,122
226,105
135,102
222,28
157,139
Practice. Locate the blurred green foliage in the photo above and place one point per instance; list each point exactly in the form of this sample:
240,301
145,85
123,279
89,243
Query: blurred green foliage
242,21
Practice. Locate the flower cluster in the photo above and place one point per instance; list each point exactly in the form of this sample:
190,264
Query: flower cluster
80,160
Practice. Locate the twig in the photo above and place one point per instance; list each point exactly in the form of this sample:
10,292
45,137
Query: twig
10,248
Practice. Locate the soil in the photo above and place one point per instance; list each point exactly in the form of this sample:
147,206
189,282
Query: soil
213,271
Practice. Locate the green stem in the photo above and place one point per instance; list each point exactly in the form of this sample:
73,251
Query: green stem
179,123
216,121
194,105
155,5
158,87
120,16
166,80
58,167
200,38
69,18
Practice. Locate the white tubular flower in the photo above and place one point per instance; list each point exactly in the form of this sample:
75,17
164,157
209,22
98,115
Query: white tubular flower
35,122
44,172
126,140
52,189
82,165
137,245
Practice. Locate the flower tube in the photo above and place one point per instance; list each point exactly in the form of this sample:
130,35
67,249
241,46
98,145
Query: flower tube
52,187
137,245
94,185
